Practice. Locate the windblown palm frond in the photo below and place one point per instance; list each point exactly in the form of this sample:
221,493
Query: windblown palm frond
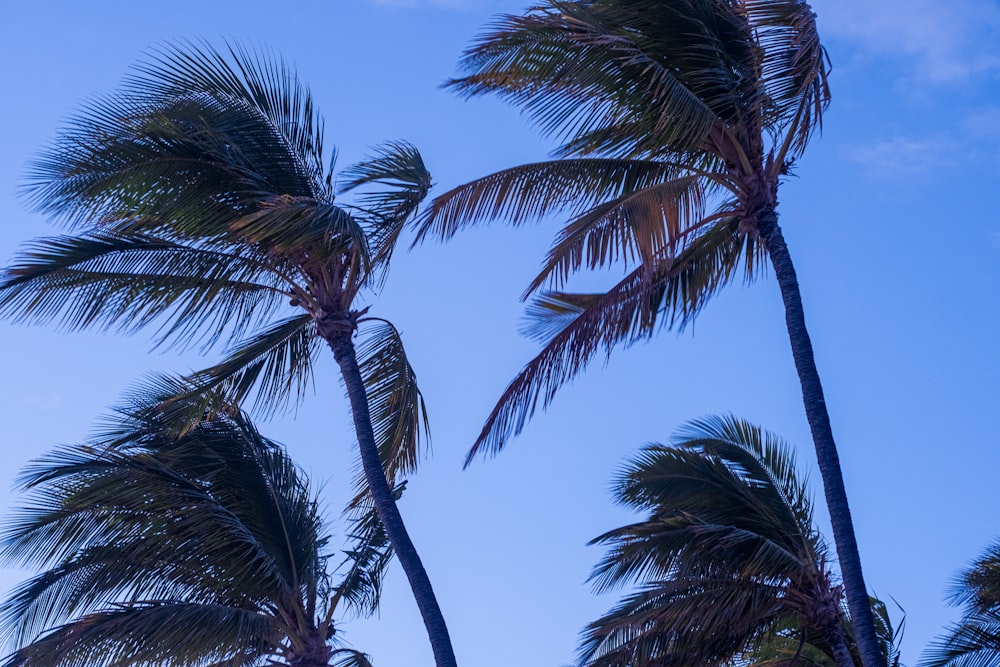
974,641
203,549
729,565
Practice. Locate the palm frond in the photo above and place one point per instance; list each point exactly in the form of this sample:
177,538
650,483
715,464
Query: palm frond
129,280
678,622
272,370
794,69
255,79
348,657
310,231
398,413
635,228
146,526
152,634
532,191
575,67
367,558
398,169
668,293
973,641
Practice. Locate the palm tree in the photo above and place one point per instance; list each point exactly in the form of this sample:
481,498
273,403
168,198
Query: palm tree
203,202
203,550
677,120
730,566
975,640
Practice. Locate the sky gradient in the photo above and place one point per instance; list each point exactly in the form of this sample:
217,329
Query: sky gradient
890,218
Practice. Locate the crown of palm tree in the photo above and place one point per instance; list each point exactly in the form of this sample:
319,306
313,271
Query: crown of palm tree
730,567
205,206
204,549
677,119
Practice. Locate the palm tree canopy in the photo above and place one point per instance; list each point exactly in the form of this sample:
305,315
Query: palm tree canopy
204,549
974,641
202,203
676,120
729,566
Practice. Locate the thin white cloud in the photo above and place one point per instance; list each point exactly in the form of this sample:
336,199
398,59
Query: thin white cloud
900,156
933,41
974,139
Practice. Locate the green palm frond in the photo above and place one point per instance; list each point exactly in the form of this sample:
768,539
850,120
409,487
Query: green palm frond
271,370
151,634
129,280
348,657
295,227
972,642
794,69
678,622
532,191
668,293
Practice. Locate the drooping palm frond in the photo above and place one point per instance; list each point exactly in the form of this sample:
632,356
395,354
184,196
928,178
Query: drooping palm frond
729,566
398,413
366,559
669,292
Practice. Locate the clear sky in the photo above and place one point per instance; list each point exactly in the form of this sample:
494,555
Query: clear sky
891,219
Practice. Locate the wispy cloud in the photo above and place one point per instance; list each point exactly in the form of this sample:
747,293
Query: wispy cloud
935,41
973,139
903,156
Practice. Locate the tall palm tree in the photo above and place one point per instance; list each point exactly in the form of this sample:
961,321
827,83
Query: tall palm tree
203,203
730,566
203,550
974,641
677,121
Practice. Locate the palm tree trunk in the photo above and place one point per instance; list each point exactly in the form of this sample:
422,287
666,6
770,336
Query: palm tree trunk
385,505
826,450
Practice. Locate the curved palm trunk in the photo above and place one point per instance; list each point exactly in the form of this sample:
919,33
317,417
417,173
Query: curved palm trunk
826,450
385,505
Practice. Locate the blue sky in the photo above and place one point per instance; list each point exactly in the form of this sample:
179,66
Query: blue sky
890,217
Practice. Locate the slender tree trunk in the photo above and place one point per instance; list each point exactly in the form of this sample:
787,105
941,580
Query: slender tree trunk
826,450
385,505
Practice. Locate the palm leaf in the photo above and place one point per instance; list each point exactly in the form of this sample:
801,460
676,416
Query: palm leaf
397,409
667,293
533,191
128,280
